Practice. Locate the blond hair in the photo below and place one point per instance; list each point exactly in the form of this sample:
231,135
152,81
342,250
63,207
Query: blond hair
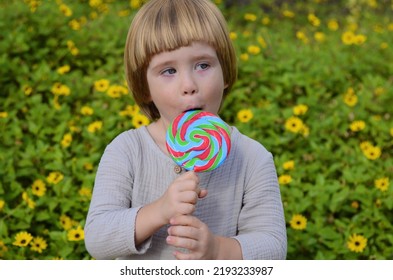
166,25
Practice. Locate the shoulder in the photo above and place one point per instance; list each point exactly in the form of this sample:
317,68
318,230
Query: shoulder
250,156
247,146
129,142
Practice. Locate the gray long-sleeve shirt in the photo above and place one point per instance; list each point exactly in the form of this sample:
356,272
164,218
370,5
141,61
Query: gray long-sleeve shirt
243,200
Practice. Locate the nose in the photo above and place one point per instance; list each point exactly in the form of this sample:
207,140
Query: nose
189,86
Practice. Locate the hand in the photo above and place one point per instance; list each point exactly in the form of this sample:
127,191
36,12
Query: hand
181,196
190,233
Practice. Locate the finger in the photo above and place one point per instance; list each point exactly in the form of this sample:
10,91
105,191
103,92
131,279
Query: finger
183,256
188,197
185,209
181,242
185,220
183,231
202,193
190,175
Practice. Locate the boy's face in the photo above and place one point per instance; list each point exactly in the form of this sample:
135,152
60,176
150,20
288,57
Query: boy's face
184,79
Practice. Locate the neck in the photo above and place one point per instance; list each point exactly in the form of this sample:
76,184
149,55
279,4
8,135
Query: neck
157,131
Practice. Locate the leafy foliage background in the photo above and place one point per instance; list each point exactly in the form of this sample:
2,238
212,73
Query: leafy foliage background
56,119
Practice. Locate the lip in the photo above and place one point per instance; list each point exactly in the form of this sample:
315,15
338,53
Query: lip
192,108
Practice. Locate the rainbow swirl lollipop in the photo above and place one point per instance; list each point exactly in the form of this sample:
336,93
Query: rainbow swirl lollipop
198,140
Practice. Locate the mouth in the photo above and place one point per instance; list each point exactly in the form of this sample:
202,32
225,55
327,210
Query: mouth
193,109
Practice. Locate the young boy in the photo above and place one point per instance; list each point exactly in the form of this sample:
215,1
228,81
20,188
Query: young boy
179,57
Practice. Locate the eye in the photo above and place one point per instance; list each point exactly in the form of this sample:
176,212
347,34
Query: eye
202,66
168,71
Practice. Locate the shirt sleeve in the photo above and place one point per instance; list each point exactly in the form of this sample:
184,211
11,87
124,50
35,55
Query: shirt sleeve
261,226
110,223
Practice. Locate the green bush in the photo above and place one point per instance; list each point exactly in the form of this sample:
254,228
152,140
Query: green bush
314,87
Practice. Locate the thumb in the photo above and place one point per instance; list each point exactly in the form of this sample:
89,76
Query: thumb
202,193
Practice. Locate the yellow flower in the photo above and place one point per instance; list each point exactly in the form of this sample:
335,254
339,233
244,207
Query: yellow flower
355,204
372,153
284,179
60,89
333,24
88,166
65,222
85,192
288,14
314,20
2,203
289,165
357,125
302,36
56,103
244,57
382,184
131,110
3,249
372,3
319,36
139,120
54,177
391,131
65,10
66,141
253,49
384,45
123,13
27,90
378,91
76,234
95,3
22,239
265,20
135,4
365,145
233,36
63,69
87,111
245,115
115,91
360,39
250,17
94,126
74,51
357,243
294,124
350,99
348,38
101,85
298,222
305,131
75,24
28,200
38,187
3,115
38,244
300,109
262,42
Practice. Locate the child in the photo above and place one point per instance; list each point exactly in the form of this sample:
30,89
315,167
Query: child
178,57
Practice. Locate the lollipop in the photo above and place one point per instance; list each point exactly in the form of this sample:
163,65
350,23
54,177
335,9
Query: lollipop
198,140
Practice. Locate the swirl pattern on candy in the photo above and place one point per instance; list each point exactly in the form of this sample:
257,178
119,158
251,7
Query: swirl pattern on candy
198,140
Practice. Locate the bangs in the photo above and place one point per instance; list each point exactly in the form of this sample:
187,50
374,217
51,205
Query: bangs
176,25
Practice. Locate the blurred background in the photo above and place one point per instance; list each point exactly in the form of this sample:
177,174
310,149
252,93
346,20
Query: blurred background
314,87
